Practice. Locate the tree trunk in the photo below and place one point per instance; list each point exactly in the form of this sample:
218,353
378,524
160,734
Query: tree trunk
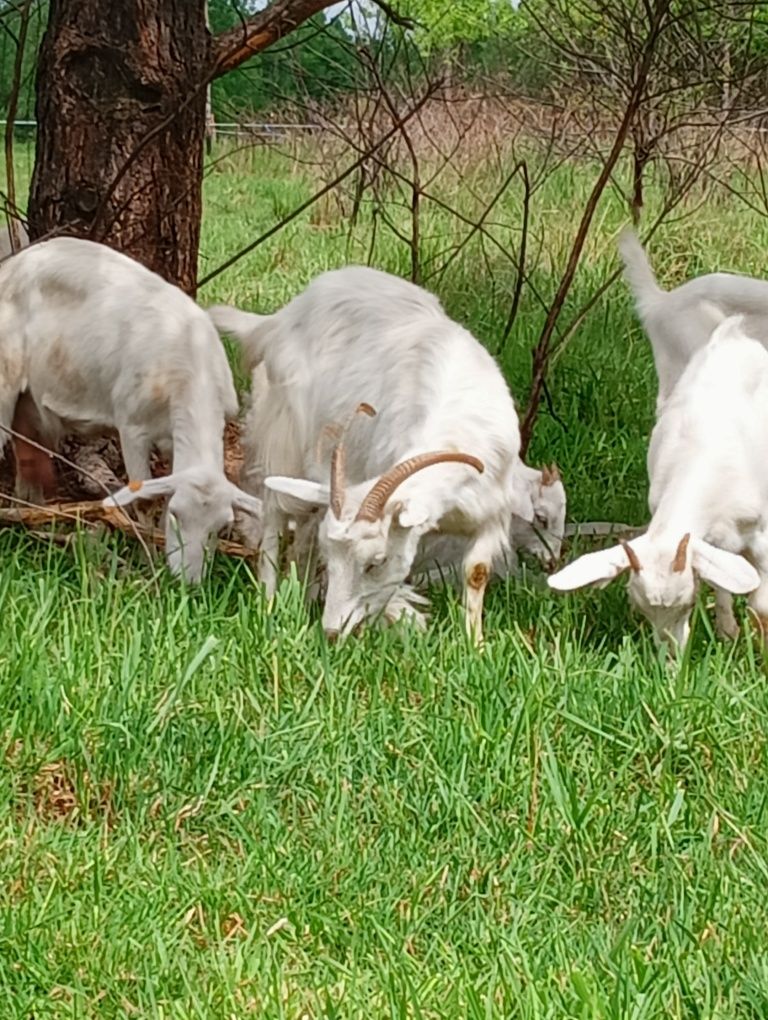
121,119
120,129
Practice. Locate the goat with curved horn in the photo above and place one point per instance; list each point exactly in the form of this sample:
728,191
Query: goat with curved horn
358,329
372,507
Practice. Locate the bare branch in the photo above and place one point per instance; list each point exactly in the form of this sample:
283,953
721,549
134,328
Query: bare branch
238,44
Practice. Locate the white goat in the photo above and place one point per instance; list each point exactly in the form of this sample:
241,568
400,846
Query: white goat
357,333
540,532
93,340
679,322
708,467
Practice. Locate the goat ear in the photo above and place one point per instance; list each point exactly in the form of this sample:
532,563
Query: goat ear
300,488
248,504
724,569
595,568
153,488
411,514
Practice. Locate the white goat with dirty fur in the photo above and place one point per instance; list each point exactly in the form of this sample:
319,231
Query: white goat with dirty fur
354,335
708,467
90,340
679,322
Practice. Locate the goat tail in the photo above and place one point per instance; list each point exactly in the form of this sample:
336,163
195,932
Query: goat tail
637,269
247,328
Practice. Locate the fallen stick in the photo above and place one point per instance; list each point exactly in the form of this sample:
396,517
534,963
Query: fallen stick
93,512
594,528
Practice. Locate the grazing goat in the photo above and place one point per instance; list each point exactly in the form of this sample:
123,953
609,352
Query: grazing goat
679,322
91,339
442,403
541,535
708,467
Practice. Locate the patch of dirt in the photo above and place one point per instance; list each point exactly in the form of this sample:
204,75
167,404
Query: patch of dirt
58,794
102,465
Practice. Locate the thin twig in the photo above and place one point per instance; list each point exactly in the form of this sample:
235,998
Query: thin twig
13,104
65,460
323,191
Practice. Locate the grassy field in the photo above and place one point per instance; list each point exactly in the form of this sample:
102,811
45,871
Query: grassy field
206,811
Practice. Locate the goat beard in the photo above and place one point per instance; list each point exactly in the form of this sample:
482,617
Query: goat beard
406,602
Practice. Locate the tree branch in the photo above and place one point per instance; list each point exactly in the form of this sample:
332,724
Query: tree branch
280,18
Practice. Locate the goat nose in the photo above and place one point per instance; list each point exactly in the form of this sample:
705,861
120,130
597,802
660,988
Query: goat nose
332,635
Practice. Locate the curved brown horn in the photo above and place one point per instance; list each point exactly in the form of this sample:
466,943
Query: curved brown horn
678,563
339,460
546,477
372,507
634,562
554,473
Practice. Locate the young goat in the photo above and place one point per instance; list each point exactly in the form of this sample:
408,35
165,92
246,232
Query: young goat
540,532
679,322
89,340
359,333
708,467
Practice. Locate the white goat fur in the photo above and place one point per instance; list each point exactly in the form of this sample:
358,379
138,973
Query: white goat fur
357,334
708,467
539,531
99,341
679,322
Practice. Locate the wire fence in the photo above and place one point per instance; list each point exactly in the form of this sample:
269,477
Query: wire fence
229,129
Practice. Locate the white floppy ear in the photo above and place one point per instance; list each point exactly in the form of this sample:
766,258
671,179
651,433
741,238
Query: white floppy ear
411,514
153,488
593,568
724,569
248,504
300,488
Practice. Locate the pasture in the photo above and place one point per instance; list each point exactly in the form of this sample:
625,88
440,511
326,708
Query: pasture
207,811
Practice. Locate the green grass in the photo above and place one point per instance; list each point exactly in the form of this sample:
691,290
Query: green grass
207,811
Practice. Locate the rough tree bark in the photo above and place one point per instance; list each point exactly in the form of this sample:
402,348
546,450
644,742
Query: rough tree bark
121,91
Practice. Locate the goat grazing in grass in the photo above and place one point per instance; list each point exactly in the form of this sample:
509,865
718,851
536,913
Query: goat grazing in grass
679,322
539,531
708,467
439,456
91,339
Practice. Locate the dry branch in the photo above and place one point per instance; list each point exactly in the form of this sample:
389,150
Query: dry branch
93,512
256,33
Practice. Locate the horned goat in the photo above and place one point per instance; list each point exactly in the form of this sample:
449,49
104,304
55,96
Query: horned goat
358,334
90,340
708,468
679,322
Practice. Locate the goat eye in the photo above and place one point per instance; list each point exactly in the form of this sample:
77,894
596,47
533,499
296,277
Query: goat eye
374,564
541,521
